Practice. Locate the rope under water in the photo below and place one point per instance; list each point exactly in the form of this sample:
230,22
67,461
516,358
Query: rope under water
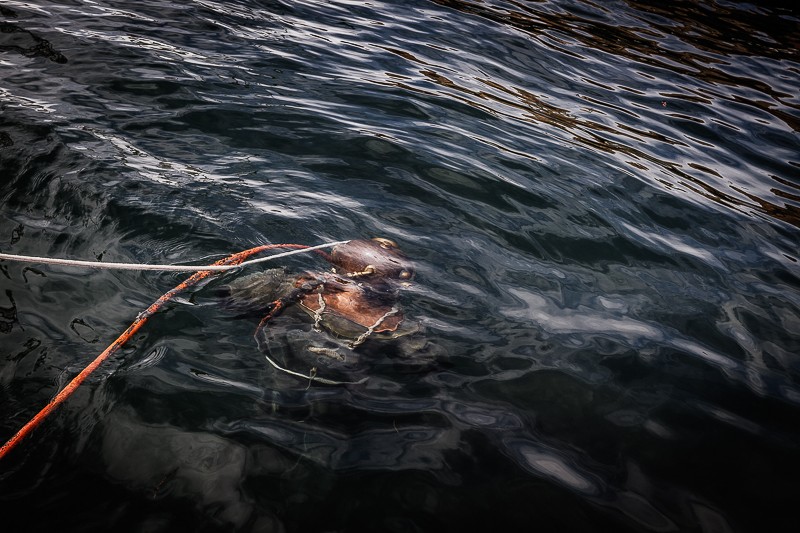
236,260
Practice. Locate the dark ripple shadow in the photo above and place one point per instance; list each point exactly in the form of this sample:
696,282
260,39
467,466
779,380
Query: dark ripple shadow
14,38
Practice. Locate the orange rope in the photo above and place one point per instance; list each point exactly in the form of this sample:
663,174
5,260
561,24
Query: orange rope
67,391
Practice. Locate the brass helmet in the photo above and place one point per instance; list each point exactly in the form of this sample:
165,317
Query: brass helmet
378,258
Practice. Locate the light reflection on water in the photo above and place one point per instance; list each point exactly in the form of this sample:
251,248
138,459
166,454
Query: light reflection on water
601,200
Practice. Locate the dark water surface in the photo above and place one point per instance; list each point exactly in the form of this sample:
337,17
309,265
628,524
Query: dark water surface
602,200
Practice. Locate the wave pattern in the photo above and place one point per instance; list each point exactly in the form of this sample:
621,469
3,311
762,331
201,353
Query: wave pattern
602,200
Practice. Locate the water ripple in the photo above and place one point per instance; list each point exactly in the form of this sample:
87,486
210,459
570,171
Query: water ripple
601,200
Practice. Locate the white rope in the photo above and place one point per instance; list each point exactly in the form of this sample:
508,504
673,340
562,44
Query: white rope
313,376
172,268
370,330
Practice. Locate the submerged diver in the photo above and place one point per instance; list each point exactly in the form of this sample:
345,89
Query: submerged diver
354,310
